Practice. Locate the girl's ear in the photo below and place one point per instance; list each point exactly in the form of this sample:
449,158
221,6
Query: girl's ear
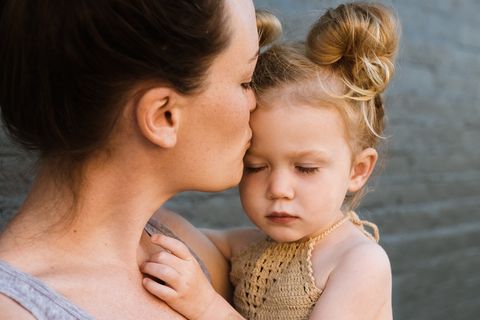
158,116
362,168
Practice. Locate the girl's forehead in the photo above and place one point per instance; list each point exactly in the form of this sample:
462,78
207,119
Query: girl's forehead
299,95
287,120
300,122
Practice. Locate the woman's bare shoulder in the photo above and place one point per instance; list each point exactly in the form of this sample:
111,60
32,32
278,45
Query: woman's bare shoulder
184,230
10,310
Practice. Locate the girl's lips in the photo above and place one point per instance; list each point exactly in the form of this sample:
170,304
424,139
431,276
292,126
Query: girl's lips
281,217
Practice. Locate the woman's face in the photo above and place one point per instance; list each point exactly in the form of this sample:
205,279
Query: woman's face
215,133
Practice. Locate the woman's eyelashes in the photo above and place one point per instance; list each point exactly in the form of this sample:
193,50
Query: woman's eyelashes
247,85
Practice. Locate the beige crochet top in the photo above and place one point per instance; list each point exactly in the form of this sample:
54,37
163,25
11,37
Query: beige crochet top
275,280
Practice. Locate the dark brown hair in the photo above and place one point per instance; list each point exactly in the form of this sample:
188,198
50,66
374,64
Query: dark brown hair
67,67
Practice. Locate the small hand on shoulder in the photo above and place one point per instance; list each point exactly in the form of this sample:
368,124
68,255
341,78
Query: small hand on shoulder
182,283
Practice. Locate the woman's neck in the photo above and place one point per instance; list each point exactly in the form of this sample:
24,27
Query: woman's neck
104,224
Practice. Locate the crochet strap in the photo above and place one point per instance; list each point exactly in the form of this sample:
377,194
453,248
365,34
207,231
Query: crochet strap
330,229
353,217
361,225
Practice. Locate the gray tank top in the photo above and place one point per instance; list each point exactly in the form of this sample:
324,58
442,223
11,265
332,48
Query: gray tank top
43,302
34,296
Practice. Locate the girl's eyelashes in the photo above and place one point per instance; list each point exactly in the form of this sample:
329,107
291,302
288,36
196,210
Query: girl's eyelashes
248,169
307,170
303,170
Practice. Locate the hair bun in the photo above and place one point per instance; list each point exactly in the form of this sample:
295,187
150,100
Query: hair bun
359,40
269,27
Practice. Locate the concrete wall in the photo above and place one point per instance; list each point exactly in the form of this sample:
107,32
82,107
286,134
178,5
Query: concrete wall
427,198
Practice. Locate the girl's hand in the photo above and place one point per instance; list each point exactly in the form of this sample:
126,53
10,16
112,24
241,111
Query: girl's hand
184,287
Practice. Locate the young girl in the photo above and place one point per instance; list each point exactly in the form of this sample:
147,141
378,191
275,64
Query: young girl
318,118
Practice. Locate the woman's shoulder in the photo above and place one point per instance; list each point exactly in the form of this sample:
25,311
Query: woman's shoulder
173,224
10,309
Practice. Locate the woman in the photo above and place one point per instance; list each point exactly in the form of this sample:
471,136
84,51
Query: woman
127,103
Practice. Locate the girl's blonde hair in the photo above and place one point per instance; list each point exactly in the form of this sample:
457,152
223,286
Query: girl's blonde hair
346,61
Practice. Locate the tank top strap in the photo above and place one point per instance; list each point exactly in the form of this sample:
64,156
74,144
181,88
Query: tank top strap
34,296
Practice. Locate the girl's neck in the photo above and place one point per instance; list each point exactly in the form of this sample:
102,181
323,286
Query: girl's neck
103,226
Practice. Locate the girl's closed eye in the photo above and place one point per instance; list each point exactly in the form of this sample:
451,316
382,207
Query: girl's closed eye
249,169
307,170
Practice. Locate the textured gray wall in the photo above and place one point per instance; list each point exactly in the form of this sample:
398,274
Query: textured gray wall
426,200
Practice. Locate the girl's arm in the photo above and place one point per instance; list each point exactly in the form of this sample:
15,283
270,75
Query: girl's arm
359,287
232,241
174,276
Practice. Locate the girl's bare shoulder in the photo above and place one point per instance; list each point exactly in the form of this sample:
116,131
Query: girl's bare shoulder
352,253
356,269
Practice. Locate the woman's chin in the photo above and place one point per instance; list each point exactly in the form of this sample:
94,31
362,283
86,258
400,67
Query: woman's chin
220,183
230,183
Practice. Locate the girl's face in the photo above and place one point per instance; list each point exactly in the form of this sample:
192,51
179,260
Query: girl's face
297,170
215,133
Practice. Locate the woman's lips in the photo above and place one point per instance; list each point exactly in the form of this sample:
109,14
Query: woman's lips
281,217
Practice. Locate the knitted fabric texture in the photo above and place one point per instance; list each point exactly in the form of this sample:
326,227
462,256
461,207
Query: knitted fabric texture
275,280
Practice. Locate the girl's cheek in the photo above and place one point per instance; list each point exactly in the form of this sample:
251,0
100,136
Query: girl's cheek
247,185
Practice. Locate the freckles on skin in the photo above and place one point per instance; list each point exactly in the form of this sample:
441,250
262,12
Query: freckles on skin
215,130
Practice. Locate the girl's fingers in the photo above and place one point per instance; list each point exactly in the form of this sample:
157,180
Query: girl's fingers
173,245
161,291
163,272
167,258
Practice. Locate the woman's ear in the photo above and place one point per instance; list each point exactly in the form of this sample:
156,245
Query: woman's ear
157,116
362,168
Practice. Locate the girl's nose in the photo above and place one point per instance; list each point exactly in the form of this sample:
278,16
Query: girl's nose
280,187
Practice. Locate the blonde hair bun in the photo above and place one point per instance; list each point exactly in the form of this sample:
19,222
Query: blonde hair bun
269,27
358,40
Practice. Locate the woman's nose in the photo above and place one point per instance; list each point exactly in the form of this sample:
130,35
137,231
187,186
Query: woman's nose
280,187
252,101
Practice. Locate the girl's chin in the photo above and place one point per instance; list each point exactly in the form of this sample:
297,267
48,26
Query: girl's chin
285,238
